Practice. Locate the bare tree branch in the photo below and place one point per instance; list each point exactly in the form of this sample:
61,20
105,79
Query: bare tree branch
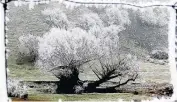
111,71
124,83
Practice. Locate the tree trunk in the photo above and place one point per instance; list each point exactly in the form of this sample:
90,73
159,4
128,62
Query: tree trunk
67,83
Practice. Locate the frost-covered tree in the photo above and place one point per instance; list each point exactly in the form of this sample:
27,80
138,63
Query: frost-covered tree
108,39
150,24
92,37
65,51
27,49
154,16
56,18
117,16
62,52
88,20
59,47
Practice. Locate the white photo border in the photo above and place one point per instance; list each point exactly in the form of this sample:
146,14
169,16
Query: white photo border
73,3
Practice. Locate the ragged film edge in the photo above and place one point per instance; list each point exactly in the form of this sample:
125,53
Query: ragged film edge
92,3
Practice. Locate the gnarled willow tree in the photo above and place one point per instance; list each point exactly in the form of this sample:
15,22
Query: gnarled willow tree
88,37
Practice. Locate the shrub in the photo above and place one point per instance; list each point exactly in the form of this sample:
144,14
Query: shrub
78,89
17,89
27,49
48,88
159,54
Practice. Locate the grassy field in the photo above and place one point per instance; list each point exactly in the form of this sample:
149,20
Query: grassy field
29,73
149,73
85,97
